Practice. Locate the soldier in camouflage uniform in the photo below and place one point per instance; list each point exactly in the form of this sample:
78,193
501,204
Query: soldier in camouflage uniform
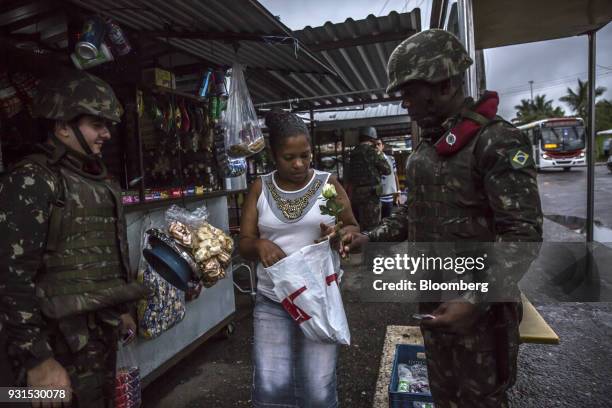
366,166
476,186
65,283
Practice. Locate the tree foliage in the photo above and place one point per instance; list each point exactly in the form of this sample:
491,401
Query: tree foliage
536,109
578,99
603,115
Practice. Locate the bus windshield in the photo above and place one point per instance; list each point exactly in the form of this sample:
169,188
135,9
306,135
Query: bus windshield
563,139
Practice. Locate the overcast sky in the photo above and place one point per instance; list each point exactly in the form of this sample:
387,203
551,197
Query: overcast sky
551,65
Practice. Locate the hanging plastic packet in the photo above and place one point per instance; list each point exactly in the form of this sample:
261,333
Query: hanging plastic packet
243,136
117,38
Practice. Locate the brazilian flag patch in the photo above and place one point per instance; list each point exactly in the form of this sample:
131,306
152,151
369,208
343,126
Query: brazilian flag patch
519,158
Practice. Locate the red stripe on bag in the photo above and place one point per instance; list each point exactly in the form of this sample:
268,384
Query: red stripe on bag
331,278
295,312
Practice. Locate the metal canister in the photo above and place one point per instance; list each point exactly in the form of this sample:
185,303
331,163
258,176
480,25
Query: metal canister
92,36
117,38
103,55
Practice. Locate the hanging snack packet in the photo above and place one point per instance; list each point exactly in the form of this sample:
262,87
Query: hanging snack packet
243,135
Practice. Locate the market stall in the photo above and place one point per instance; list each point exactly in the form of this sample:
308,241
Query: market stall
171,148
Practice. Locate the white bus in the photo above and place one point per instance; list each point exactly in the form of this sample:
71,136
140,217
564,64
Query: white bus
557,142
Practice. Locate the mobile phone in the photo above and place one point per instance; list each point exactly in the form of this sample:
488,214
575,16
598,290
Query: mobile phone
420,316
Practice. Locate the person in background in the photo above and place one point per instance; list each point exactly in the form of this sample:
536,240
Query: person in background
280,216
366,166
390,184
65,281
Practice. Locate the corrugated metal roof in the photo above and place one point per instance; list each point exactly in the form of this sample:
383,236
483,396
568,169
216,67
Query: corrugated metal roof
212,16
389,109
358,51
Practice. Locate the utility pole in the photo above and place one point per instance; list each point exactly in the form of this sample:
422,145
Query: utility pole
531,88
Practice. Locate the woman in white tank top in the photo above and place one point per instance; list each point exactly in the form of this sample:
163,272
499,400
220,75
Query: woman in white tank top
281,215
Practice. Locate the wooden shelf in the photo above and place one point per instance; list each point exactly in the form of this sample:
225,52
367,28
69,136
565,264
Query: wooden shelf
168,91
166,202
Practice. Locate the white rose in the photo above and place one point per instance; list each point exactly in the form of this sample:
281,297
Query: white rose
329,191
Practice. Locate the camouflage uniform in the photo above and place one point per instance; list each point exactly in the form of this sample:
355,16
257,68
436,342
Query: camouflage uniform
366,166
64,270
480,194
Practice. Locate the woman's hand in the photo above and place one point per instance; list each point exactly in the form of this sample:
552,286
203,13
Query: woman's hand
269,253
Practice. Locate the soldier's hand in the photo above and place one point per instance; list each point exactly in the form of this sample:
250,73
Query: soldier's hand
51,375
269,253
352,241
331,233
128,328
453,317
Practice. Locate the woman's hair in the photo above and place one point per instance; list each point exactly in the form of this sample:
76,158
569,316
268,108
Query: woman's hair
283,125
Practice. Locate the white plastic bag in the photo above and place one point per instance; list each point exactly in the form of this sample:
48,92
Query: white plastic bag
243,135
307,284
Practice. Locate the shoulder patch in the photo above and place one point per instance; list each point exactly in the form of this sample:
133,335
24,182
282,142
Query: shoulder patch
519,158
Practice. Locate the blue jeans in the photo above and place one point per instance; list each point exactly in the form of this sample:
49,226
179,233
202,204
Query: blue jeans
289,370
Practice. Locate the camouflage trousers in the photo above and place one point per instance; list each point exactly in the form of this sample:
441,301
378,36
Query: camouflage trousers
91,369
367,211
474,370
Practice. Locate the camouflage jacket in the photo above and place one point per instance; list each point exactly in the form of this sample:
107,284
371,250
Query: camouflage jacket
366,166
500,194
26,195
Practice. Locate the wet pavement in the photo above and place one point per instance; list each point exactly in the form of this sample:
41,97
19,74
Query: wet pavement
575,373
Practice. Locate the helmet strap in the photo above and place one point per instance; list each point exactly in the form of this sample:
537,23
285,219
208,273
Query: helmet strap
81,139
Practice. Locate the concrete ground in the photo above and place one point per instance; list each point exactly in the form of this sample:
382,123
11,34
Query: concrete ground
575,373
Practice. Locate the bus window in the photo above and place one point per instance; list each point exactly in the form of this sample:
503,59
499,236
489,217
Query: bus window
563,138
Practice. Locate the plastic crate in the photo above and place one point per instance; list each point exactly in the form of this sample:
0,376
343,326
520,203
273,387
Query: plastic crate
406,354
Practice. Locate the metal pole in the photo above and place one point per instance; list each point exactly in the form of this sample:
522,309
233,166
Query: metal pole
310,98
531,89
313,138
466,32
591,138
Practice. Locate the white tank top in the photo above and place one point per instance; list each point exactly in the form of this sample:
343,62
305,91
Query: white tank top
290,236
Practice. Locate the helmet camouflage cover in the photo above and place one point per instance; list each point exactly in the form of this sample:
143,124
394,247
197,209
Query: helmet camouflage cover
75,93
431,56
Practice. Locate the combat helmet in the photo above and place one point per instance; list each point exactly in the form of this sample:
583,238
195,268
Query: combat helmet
368,132
75,93
431,56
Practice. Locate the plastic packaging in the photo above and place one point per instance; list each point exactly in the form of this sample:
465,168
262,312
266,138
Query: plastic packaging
192,219
413,378
243,135
127,381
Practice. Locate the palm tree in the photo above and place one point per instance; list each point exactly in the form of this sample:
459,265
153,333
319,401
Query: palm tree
538,108
577,100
